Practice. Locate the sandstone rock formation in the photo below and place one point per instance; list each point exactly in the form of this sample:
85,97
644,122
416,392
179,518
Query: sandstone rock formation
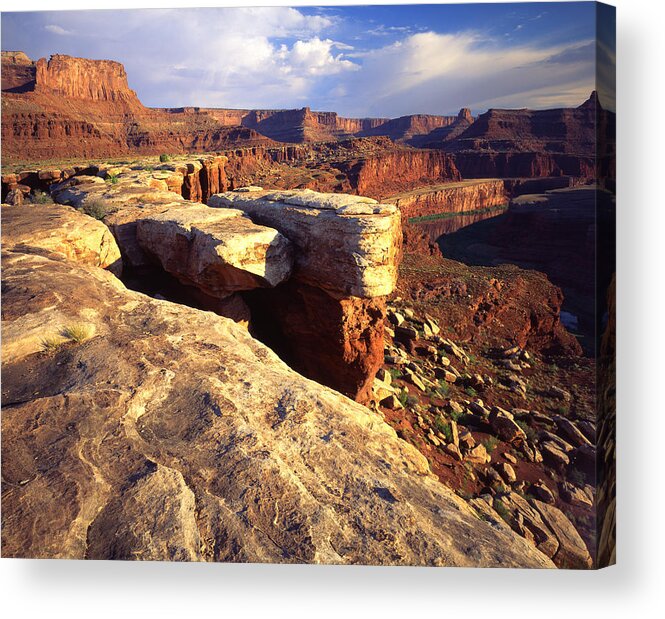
418,129
328,321
219,251
171,434
393,171
346,244
55,229
345,251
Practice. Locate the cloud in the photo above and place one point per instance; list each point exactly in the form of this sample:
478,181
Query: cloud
440,73
55,29
314,57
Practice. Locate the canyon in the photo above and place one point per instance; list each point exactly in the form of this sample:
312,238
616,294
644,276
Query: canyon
289,336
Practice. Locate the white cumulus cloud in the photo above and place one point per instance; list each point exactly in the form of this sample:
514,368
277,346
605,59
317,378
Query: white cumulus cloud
55,29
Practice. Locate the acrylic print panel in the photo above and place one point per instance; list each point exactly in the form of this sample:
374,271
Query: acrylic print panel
344,296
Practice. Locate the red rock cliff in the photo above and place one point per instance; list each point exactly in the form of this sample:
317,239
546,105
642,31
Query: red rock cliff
460,197
80,78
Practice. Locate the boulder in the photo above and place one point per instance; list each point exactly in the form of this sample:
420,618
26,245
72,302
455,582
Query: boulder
507,472
220,251
576,496
571,432
572,552
52,228
554,456
478,455
542,492
528,522
505,428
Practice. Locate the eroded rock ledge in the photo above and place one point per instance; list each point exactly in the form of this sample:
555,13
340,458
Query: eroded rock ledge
327,321
168,433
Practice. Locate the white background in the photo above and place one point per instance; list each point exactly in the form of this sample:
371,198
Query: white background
633,588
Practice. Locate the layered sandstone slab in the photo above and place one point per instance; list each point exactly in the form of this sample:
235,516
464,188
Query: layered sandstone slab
171,434
52,228
218,250
346,244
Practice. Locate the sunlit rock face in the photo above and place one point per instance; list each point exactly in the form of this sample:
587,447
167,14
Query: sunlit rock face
328,320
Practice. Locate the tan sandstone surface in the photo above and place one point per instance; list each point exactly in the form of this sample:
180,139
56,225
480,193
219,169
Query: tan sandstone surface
170,433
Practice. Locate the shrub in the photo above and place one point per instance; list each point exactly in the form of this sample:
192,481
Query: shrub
163,158
490,444
444,387
95,208
78,332
470,391
394,373
402,397
454,415
40,197
527,429
444,427
50,345
411,400
502,510
112,178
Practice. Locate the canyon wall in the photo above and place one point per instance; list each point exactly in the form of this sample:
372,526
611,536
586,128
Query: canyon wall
461,197
530,143
390,172
474,164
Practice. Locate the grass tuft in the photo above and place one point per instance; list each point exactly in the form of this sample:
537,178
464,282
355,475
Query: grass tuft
50,345
78,333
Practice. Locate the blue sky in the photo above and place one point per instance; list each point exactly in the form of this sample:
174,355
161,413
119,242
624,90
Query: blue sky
358,61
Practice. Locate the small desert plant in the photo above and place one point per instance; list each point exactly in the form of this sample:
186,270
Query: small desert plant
95,208
402,397
40,197
444,387
527,429
502,510
577,477
394,373
163,158
454,415
78,332
470,391
490,444
51,345
444,427
112,178
562,410
411,400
